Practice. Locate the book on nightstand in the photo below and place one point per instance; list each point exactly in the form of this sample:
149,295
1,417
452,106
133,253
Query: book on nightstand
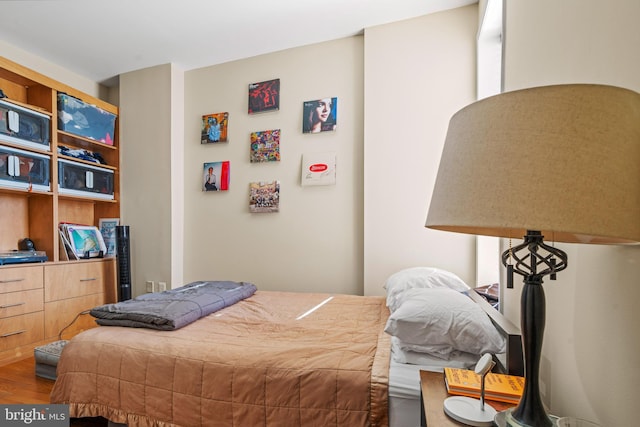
498,387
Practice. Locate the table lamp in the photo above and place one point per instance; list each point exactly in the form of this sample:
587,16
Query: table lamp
559,163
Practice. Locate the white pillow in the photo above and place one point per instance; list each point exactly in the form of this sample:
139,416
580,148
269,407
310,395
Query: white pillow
444,317
455,359
442,351
420,277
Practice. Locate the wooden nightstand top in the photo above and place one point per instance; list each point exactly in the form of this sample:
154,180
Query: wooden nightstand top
434,392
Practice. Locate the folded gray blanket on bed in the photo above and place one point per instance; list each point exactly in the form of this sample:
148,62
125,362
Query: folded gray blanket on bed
174,308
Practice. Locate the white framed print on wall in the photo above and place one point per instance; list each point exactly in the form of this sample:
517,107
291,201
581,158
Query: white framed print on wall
107,228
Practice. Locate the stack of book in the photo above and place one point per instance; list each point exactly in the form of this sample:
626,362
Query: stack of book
498,387
80,242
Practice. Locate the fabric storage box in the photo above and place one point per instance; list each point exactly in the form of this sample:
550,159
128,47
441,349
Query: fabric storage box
20,125
24,169
79,118
84,180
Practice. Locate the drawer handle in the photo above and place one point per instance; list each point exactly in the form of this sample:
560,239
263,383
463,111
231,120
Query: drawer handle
11,280
90,279
13,333
12,305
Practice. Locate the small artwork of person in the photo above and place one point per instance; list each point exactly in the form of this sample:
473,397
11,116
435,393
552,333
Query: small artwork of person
214,128
216,176
320,115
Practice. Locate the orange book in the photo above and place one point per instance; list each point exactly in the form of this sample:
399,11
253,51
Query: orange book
498,387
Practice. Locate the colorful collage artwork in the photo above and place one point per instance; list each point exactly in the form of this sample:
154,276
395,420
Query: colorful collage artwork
265,146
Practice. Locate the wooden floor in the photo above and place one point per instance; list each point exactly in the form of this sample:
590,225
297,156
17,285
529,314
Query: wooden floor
19,385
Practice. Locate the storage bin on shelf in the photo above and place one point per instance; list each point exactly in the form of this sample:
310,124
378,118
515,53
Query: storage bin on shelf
24,169
79,118
24,126
84,180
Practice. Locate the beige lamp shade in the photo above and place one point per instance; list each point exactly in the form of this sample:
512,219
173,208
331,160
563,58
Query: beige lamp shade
563,160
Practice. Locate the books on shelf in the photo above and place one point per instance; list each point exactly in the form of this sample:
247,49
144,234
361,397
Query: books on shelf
80,242
498,387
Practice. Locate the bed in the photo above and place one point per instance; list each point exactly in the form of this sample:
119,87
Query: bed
270,359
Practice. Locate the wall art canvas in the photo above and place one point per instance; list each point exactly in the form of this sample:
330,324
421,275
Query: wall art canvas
264,96
214,128
264,197
216,176
318,169
320,115
107,228
265,146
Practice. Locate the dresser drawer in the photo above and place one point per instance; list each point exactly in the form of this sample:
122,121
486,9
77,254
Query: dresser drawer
61,313
13,279
21,330
16,303
71,280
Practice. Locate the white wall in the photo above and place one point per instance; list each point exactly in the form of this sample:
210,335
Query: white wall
53,71
418,73
591,343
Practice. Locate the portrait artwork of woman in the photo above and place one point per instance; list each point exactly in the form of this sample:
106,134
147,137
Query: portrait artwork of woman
320,115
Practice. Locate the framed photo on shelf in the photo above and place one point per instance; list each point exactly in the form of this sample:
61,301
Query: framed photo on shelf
107,228
264,96
214,128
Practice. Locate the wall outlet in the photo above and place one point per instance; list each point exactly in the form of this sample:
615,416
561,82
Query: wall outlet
162,286
150,286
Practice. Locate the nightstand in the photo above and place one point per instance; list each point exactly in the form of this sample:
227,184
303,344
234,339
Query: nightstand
433,392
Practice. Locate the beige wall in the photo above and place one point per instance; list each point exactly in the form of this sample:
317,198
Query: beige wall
146,173
417,74
385,83
591,344
314,244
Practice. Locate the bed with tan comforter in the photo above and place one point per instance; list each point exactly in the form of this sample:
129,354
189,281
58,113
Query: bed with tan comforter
273,359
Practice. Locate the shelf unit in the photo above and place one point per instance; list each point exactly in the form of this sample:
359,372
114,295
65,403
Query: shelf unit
36,214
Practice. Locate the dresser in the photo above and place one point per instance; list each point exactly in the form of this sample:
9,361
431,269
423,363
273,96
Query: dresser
40,301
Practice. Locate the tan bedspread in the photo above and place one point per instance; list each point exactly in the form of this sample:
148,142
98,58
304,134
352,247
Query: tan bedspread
265,361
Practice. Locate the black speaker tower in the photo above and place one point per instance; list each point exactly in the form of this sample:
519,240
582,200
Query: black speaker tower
124,262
